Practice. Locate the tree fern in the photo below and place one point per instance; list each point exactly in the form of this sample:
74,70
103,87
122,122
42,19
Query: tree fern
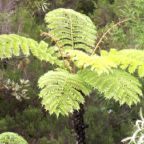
71,29
62,92
74,35
14,45
11,138
118,85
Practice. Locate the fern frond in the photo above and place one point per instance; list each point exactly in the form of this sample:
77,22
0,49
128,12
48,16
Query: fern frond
15,45
71,29
131,60
128,59
118,85
62,92
11,138
95,62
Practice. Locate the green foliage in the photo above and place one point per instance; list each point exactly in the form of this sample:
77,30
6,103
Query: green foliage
96,63
118,85
133,28
127,59
108,122
62,92
130,60
15,45
70,29
37,5
11,138
106,13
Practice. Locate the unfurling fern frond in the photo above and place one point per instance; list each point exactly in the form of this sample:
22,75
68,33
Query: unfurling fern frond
15,45
11,138
62,92
118,85
70,29
131,60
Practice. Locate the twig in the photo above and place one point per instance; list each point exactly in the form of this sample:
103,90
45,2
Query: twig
50,36
104,34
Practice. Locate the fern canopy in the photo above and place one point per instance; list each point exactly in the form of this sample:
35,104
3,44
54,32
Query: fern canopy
71,29
62,92
11,138
74,35
14,45
118,85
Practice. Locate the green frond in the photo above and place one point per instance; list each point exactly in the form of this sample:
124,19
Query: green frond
15,45
118,85
128,59
95,63
131,60
71,29
62,92
11,138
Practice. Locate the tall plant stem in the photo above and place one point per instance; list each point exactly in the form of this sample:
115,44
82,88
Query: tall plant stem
79,125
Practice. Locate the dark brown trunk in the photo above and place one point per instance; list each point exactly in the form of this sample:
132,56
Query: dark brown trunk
79,125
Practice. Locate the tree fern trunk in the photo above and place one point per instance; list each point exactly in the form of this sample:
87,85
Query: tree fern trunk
79,125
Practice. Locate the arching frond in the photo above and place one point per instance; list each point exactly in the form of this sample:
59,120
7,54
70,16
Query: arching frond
62,92
95,63
15,45
70,29
130,59
118,85
11,138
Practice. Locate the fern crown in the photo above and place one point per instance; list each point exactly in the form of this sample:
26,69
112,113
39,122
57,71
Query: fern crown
73,37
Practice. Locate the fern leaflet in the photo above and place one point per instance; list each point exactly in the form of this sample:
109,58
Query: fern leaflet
96,63
71,29
130,60
118,85
15,45
62,92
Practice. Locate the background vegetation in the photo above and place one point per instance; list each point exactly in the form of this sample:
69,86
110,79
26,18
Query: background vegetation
122,23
